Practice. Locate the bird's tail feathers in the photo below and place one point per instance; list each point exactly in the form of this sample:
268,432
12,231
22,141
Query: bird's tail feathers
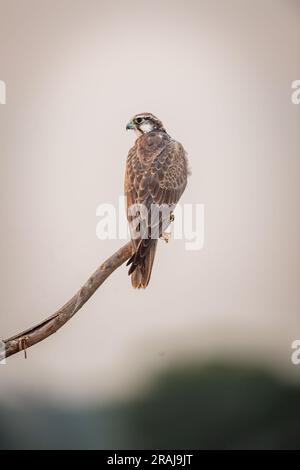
142,263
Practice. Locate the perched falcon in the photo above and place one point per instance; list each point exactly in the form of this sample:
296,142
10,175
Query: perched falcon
155,178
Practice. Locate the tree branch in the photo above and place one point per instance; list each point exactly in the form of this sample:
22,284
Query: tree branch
41,331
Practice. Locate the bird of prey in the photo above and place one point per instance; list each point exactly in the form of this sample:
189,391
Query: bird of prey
155,178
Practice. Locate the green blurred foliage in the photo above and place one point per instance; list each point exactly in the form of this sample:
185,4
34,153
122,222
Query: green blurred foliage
212,407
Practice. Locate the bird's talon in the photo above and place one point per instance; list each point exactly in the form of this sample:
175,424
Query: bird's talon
166,237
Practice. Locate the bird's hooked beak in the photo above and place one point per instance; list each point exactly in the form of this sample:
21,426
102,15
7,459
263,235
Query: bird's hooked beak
130,125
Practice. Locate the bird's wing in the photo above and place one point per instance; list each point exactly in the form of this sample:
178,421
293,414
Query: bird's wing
156,173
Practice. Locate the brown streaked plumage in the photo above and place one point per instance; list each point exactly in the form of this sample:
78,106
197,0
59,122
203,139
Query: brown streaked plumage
156,173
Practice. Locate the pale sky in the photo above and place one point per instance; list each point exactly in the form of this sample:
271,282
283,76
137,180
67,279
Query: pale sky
219,75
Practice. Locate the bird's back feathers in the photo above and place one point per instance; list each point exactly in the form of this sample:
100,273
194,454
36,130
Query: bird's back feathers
156,174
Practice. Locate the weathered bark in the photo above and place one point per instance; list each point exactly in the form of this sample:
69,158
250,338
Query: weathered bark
23,341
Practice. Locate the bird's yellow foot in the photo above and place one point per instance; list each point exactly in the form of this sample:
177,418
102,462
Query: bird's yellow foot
166,236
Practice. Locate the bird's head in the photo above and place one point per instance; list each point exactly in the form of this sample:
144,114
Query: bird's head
145,122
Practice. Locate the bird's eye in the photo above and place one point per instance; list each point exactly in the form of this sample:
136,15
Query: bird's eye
139,120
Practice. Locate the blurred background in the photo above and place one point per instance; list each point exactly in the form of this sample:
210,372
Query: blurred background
202,358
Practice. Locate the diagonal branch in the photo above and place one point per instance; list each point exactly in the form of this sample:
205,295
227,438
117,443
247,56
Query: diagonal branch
39,332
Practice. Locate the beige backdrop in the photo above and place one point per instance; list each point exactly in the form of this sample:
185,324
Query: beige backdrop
219,74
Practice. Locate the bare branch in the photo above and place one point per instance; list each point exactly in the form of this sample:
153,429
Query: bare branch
23,341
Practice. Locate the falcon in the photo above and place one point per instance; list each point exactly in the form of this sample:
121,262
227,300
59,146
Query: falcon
155,178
